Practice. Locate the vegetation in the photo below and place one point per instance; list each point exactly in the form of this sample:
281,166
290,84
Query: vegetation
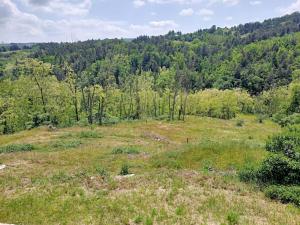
83,185
16,148
185,113
280,168
125,150
217,72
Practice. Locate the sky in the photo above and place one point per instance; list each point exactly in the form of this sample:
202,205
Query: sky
74,20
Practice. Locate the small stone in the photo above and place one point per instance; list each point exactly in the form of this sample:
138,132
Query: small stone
1,168
124,177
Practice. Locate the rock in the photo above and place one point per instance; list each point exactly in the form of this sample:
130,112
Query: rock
124,177
52,128
1,168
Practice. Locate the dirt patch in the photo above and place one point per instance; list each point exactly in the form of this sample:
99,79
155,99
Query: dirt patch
155,137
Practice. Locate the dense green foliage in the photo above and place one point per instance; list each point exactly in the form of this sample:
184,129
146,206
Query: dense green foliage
284,194
216,72
254,56
282,167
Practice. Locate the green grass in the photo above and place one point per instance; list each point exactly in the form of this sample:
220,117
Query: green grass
16,148
212,155
174,182
126,150
86,134
65,144
89,134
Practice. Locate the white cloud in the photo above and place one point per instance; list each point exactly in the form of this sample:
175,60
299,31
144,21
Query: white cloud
138,3
231,2
163,24
295,6
205,12
66,7
38,2
229,18
18,26
153,28
186,12
255,3
225,2
175,1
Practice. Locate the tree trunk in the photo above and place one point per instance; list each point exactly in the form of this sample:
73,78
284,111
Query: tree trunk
173,104
184,106
76,104
42,94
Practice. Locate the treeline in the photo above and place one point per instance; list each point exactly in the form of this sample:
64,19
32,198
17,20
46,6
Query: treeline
14,47
214,72
36,97
254,56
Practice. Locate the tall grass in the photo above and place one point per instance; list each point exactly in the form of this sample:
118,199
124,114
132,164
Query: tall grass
16,148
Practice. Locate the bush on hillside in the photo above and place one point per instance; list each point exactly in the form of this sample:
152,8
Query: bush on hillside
287,120
280,172
286,194
287,143
279,169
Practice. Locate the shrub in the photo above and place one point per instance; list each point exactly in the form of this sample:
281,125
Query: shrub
285,194
138,219
180,210
233,218
102,172
124,170
66,144
287,143
287,120
248,174
125,150
260,118
90,134
40,119
149,221
279,169
16,148
240,123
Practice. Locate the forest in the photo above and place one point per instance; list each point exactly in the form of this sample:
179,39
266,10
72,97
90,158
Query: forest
228,74
217,72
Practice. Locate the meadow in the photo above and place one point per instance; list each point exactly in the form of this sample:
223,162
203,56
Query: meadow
184,173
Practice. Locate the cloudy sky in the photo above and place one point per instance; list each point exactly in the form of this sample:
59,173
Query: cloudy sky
73,20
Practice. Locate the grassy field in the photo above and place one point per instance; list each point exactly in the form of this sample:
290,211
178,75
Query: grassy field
185,173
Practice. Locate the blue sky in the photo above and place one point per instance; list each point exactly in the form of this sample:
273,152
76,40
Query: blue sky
73,20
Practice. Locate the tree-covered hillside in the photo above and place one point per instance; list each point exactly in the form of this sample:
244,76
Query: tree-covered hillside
247,69
217,57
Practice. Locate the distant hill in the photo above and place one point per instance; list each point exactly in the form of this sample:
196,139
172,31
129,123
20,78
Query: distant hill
255,56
